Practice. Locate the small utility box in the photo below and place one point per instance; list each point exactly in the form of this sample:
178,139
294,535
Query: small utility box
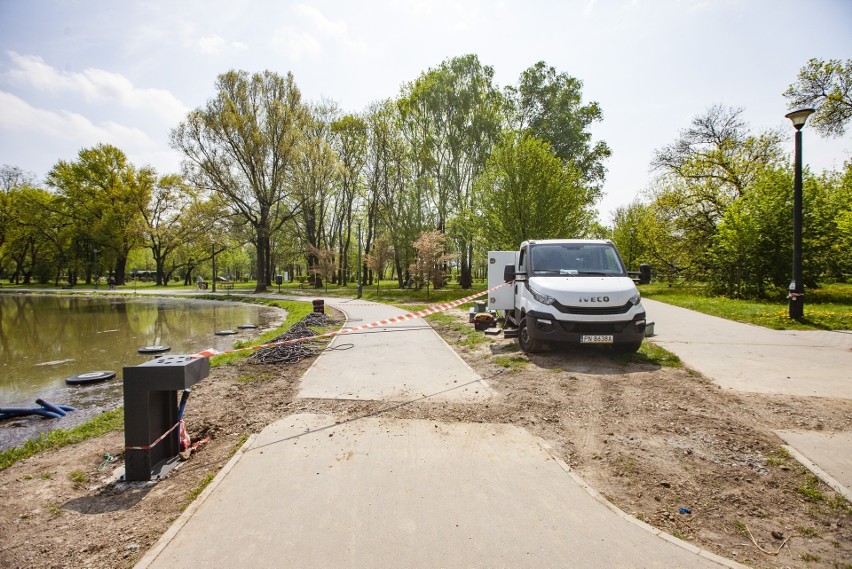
151,409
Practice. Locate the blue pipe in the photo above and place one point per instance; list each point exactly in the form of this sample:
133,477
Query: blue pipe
51,407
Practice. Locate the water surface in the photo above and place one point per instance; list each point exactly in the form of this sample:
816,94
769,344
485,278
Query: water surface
46,338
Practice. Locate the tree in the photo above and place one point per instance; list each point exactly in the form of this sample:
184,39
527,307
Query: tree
431,257
173,217
714,162
316,172
628,233
243,144
458,111
324,266
752,247
104,194
827,87
548,105
381,255
526,192
350,141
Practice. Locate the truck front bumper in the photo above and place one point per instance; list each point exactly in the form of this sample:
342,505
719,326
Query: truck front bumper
544,327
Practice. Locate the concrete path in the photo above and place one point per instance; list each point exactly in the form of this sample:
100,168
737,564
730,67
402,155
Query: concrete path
827,455
399,362
378,492
754,359
407,494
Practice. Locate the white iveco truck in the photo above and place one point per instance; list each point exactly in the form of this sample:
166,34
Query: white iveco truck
574,291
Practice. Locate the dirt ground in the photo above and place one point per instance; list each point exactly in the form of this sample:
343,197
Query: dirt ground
663,444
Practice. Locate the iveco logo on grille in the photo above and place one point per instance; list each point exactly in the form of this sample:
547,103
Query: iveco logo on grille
594,299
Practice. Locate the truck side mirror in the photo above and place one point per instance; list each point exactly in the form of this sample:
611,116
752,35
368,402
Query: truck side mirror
509,273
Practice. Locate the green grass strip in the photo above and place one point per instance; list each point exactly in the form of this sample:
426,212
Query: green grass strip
58,438
826,308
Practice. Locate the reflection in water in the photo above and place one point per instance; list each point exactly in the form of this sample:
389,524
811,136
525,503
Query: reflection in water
46,338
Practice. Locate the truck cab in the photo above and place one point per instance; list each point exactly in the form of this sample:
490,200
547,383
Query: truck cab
567,291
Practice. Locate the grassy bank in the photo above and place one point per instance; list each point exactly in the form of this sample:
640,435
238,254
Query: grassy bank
58,438
826,308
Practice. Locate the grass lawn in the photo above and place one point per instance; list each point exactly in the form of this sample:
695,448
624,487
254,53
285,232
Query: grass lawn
826,308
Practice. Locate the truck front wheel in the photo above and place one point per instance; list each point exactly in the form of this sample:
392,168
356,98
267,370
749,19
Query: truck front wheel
526,343
627,347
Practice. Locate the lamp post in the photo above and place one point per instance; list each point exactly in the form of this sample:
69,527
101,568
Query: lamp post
213,254
796,297
95,250
359,258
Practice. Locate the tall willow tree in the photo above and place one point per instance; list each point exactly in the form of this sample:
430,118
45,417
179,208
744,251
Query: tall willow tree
243,144
460,109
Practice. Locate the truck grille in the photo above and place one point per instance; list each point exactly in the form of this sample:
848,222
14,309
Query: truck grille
592,310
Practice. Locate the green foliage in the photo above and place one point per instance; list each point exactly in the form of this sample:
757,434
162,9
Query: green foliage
526,192
104,194
827,87
826,308
58,438
548,106
713,163
751,250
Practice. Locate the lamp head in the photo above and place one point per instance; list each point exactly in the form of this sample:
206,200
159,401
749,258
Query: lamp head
799,117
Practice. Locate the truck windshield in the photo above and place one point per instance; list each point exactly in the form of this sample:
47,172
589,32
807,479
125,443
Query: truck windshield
576,259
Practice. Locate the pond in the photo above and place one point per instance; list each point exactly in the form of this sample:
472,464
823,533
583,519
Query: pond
45,339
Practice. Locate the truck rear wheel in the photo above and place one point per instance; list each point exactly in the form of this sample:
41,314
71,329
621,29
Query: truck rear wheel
526,343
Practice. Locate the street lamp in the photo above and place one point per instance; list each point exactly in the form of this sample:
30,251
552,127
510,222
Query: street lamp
95,250
359,257
213,254
796,297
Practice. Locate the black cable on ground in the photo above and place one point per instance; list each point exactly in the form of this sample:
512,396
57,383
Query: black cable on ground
292,353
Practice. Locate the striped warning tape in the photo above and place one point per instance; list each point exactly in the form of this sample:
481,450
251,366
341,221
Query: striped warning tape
434,309
155,443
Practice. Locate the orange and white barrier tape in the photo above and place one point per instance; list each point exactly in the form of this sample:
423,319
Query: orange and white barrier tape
158,441
434,309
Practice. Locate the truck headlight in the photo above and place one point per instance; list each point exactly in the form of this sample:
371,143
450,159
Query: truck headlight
542,298
634,300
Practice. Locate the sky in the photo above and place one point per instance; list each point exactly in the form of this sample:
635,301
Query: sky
76,73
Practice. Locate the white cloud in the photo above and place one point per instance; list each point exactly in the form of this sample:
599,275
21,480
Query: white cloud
95,86
313,33
36,138
215,45
21,116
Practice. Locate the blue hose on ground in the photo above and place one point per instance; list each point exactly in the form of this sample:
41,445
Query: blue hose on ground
48,410
51,407
10,412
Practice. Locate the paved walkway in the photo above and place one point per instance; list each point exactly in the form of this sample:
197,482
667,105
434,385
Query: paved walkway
752,359
380,492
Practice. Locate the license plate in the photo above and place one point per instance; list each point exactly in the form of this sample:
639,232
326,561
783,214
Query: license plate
596,339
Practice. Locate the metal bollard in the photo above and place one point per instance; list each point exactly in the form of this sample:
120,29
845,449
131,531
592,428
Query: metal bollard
151,409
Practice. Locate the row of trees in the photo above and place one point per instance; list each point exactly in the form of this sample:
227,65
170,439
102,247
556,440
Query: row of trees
720,212
485,168
451,153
